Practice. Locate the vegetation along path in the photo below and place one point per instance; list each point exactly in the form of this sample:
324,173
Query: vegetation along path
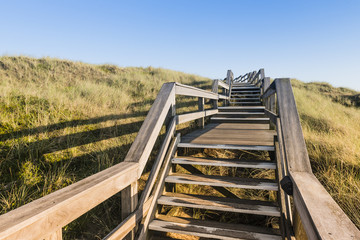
235,168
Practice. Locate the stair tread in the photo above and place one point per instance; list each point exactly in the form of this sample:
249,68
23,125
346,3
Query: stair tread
223,181
212,229
241,107
220,204
225,162
227,146
240,119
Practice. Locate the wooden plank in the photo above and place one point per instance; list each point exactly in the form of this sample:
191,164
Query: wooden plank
129,200
234,141
244,126
224,162
320,214
220,204
227,146
223,97
223,181
201,103
210,229
194,92
272,116
158,162
130,222
46,215
183,118
145,140
55,236
223,85
269,92
294,143
158,189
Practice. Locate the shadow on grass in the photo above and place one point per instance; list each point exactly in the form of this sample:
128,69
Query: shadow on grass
62,125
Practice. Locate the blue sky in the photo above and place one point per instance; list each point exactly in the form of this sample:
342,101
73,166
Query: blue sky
308,40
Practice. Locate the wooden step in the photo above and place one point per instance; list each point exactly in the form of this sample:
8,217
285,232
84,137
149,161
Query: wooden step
227,146
241,109
245,88
239,120
245,99
246,91
223,181
212,229
245,95
240,114
221,162
248,103
220,204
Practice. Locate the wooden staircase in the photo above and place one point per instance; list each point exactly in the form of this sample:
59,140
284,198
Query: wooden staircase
232,193
242,126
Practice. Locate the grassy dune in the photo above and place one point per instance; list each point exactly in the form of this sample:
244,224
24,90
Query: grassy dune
61,121
330,119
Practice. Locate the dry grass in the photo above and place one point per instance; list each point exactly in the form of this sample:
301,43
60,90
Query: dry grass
332,133
62,121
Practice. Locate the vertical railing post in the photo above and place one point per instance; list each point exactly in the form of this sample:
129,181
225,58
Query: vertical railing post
266,84
201,103
229,78
129,200
215,89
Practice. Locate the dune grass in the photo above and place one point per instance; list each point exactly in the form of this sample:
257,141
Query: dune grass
61,121
330,123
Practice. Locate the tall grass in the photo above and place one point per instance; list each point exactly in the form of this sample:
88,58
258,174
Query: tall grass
331,128
62,121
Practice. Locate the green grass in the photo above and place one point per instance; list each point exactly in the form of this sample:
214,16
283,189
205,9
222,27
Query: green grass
61,121
330,123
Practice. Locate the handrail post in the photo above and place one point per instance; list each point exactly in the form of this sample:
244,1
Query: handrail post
215,89
229,79
201,103
129,200
266,84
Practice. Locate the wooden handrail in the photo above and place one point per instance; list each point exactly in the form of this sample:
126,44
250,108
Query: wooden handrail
44,218
320,215
54,211
145,140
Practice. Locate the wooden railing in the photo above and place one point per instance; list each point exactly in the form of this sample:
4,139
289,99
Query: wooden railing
45,217
313,210
315,215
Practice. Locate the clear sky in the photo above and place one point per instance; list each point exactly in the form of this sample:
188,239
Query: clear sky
308,40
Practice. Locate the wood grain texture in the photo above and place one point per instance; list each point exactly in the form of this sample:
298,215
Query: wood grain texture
129,201
130,222
143,230
224,162
321,216
223,181
294,144
220,204
194,92
183,118
210,229
145,140
46,215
